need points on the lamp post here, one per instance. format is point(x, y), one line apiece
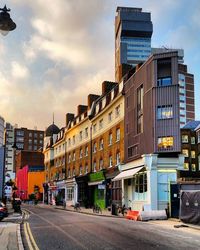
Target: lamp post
point(6, 23)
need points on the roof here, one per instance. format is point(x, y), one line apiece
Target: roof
point(192, 125)
point(52, 130)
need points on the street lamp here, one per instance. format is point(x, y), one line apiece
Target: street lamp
point(6, 23)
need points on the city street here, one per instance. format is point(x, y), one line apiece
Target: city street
point(49, 228)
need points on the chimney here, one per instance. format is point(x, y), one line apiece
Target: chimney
point(69, 118)
point(91, 99)
point(107, 86)
point(81, 109)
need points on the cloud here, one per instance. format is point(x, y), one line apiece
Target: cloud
point(19, 71)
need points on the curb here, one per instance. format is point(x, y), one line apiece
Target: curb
point(94, 214)
point(19, 238)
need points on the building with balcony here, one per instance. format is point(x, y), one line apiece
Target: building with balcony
point(152, 139)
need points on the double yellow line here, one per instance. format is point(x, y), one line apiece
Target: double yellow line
point(29, 237)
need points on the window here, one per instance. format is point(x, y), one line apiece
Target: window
point(74, 140)
point(192, 140)
point(198, 136)
point(81, 135)
point(69, 158)
point(101, 124)
point(69, 142)
point(29, 147)
point(110, 161)
point(110, 139)
point(86, 151)
point(86, 132)
point(140, 109)
point(30, 134)
point(86, 168)
point(186, 166)
point(118, 158)
point(41, 136)
point(19, 139)
point(193, 155)
point(41, 142)
point(81, 153)
point(20, 133)
point(74, 172)
point(69, 173)
point(110, 117)
point(193, 167)
point(165, 142)
point(185, 152)
point(94, 166)
point(101, 144)
point(164, 112)
point(94, 147)
point(35, 135)
point(94, 128)
point(35, 141)
point(140, 186)
point(117, 134)
point(70, 193)
point(20, 145)
point(164, 81)
point(74, 156)
point(184, 138)
point(117, 111)
point(80, 170)
point(100, 164)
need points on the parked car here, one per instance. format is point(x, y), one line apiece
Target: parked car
point(3, 210)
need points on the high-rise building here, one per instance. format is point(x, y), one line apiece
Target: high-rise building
point(1, 130)
point(133, 31)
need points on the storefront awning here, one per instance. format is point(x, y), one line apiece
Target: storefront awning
point(127, 173)
point(93, 183)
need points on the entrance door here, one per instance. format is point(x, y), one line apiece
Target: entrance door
point(175, 200)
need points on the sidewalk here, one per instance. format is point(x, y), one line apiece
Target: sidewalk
point(171, 222)
point(10, 236)
point(89, 211)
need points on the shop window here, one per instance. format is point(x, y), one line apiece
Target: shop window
point(70, 194)
point(101, 194)
point(140, 186)
point(184, 138)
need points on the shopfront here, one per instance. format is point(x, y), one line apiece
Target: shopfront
point(146, 182)
point(97, 189)
point(82, 192)
point(60, 194)
point(71, 192)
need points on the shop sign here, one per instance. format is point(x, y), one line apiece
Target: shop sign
point(101, 186)
point(98, 176)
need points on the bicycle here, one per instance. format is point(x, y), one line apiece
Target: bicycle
point(77, 206)
point(97, 209)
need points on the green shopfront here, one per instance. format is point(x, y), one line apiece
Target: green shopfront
point(97, 189)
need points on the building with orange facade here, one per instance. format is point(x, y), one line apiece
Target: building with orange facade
point(29, 181)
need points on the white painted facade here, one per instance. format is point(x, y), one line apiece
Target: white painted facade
point(159, 173)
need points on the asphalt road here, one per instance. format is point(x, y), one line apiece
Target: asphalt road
point(54, 229)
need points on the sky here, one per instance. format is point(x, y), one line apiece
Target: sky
point(63, 50)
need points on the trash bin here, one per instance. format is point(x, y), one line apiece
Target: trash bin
point(114, 209)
